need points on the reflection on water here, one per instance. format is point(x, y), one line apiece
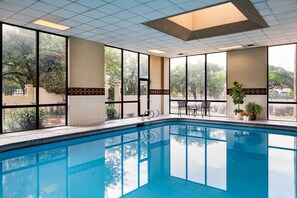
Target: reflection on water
point(165, 161)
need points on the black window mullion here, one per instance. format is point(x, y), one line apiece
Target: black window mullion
point(122, 83)
point(186, 85)
point(66, 88)
point(169, 86)
point(37, 80)
point(1, 59)
point(138, 82)
point(205, 81)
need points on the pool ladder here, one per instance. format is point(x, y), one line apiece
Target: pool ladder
point(149, 116)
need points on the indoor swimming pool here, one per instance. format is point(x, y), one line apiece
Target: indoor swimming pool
point(174, 159)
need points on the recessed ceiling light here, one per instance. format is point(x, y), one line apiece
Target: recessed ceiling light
point(156, 51)
point(230, 48)
point(50, 24)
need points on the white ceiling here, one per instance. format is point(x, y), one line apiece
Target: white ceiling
point(118, 22)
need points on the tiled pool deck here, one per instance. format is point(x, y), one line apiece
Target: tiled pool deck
point(10, 141)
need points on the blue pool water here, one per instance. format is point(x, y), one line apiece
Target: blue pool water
point(167, 160)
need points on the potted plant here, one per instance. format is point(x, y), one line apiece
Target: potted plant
point(254, 109)
point(237, 94)
point(246, 115)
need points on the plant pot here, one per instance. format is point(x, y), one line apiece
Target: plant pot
point(254, 117)
point(246, 118)
point(238, 116)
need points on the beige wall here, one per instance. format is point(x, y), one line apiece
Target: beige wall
point(86, 70)
point(86, 60)
point(159, 71)
point(156, 72)
point(248, 67)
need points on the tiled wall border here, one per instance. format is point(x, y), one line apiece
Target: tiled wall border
point(159, 91)
point(252, 91)
point(81, 91)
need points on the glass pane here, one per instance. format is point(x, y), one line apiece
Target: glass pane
point(52, 175)
point(216, 76)
point(145, 137)
point(178, 78)
point(282, 173)
point(52, 69)
point(282, 112)
point(218, 109)
point(113, 74)
point(216, 164)
point(143, 66)
point(196, 160)
point(282, 66)
point(19, 66)
point(18, 119)
point(143, 96)
point(19, 162)
point(130, 167)
point(130, 110)
point(283, 141)
point(20, 183)
point(178, 156)
point(196, 77)
point(52, 116)
point(130, 83)
point(174, 108)
point(112, 111)
point(113, 172)
point(194, 108)
point(143, 173)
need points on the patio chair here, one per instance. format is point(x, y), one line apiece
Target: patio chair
point(181, 105)
point(205, 107)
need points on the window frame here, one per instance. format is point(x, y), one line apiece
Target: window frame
point(37, 106)
point(122, 101)
point(267, 86)
point(205, 83)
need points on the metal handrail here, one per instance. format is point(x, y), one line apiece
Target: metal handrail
point(149, 112)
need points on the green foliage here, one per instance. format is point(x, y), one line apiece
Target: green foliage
point(236, 111)
point(196, 80)
point(238, 95)
point(19, 57)
point(111, 112)
point(253, 108)
point(216, 80)
point(112, 66)
point(280, 78)
point(178, 81)
point(19, 60)
point(52, 63)
point(25, 119)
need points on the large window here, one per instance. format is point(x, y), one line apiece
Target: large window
point(199, 78)
point(126, 82)
point(282, 98)
point(33, 79)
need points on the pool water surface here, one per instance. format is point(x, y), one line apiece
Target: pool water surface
point(165, 160)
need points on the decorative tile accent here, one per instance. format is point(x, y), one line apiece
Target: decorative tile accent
point(159, 91)
point(252, 91)
point(76, 91)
